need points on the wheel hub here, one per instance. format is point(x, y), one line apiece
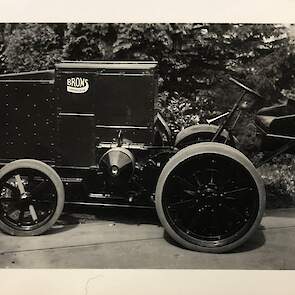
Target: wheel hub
point(209, 191)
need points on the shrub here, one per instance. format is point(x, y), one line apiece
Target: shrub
point(32, 47)
point(279, 179)
point(177, 110)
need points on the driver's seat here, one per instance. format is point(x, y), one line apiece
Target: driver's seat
point(277, 119)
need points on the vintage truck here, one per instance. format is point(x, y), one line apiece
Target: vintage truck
point(88, 133)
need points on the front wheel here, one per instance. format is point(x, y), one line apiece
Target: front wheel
point(31, 197)
point(210, 198)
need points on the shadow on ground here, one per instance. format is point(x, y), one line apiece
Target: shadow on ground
point(74, 214)
point(254, 242)
point(59, 228)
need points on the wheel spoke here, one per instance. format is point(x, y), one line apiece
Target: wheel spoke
point(20, 184)
point(219, 220)
point(33, 213)
point(10, 187)
point(196, 179)
point(198, 216)
point(43, 201)
point(183, 181)
point(222, 224)
point(189, 192)
point(237, 190)
point(21, 215)
point(193, 225)
point(181, 203)
point(43, 206)
point(9, 200)
point(211, 175)
point(233, 211)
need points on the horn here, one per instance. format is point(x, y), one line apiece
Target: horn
point(209, 121)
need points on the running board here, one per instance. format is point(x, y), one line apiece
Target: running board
point(110, 205)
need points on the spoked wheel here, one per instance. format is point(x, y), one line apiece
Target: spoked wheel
point(31, 197)
point(210, 198)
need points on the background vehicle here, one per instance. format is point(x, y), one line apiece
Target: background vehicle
point(87, 133)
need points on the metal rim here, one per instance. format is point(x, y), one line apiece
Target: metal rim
point(28, 199)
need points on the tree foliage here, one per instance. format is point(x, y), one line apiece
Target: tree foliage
point(32, 47)
point(195, 62)
point(89, 41)
point(194, 59)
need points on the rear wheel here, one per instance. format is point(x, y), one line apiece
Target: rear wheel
point(210, 198)
point(31, 197)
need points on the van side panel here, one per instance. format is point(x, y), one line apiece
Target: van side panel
point(27, 119)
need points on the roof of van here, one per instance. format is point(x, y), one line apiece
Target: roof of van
point(112, 65)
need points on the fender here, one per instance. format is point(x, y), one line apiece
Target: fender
point(196, 129)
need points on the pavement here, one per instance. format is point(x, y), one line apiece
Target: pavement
point(102, 241)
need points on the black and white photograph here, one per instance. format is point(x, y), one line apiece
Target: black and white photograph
point(147, 154)
point(147, 145)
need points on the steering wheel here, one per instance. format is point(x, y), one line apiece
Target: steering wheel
point(246, 88)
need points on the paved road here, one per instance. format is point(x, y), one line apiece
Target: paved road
point(105, 242)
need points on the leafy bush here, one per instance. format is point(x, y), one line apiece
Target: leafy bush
point(177, 110)
point(32, 47)
point(279, 179)
point(181, 112)
point(2, 59)
point(89, 41)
